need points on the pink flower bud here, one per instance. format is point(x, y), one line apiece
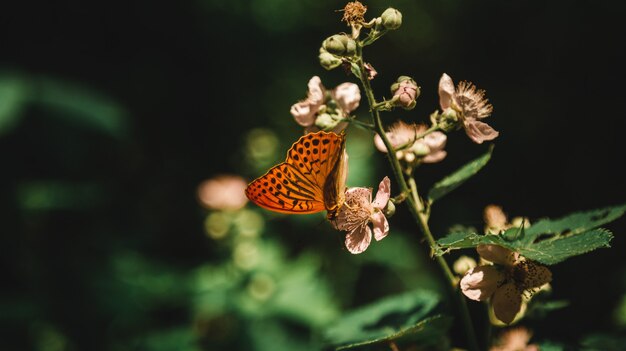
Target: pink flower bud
point(406, 91)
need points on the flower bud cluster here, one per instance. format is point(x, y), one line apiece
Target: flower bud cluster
point(340, 48)
point(340, 45)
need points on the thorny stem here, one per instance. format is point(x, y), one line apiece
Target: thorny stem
point(414, 202)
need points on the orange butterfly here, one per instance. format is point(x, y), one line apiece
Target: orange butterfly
point(311, 179)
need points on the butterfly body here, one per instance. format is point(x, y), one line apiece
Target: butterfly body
point(312, 178)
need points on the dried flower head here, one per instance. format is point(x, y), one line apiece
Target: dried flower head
point(353, 13)
point(224, 192)
point(358, 211)
point(428, 149)
point(506, 281)
point(472, 106)
point(515, 339)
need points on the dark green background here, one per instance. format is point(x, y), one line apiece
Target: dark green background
point(181, 82)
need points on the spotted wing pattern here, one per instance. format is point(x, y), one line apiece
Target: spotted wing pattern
point(307, 181)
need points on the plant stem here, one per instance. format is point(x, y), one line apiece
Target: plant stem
point(458, 296)
point(415, 204)
point(358, 123)
point(432, 129)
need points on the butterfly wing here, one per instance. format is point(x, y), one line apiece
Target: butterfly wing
point(300, 185)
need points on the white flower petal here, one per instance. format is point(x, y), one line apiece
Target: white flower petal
point(383, 194)
point(316, 91)
point(347, 96)
point(480, 282)
point(507, 302)
point(304, 113)
point(381, 226)
point(497, 254)
point(358, 196)
point(435, 157)
point(479, 131)
point(378, 142)
point(359, 239)
point(446, 91)
point(436, 141)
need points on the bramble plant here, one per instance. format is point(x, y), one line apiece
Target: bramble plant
point(514, 255)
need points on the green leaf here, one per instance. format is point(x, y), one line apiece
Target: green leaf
point(451, 182)
point(577, 222)
point(547, 241)
point(411, 315)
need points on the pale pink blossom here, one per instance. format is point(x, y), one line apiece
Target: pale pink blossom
point(428, 149)
point(435, 141)
point(358, 211)
point(224, 192)
point(304, 111)
point(347, 96)
point(504, 282)
point(471, 105)
point(316, 110)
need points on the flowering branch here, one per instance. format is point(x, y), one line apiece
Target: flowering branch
point(416, 206)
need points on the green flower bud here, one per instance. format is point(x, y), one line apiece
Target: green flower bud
point(390, 209)
point(340, 45)
point(448, 120)
point(420, 149)
point(329, 61)
point(463, 264)
point(392, 19)
point(350, 47)
point(326, 121)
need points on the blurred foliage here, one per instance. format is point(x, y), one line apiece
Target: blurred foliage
point(111, 114)
point(409, 316)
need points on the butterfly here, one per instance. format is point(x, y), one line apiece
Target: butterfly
point(312, 178)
